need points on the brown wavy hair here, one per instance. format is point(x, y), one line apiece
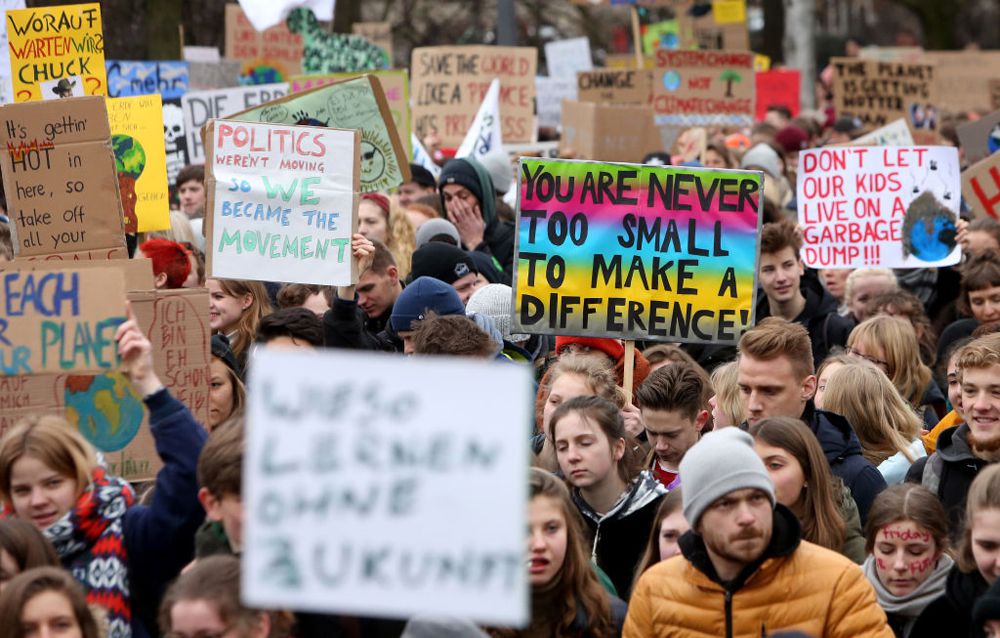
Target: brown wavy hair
point(26, 585)
point(608, 417)
point(246, 329)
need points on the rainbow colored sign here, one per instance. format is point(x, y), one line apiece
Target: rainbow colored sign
point(636, 252)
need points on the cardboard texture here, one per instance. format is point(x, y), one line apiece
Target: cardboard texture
point(56, 52)
point(137, 139)
point(357, 103)
point(964, 78)
point(378, 33)
point(449, 83)
point(631, 87)
point(608, 133)
point(265, 57)
point(60, 177)
point(223, 74)
point(283, 202)
point(702, 88)
point(980, 138)
point(879, 92)
point(994, 91)
point(137, 273)
point(981, 187)
point(627, 61)
point(201, 106)
point(108, 412)
point(707, 32)
point(777, 88)
point(87, 255)
point(169, 78)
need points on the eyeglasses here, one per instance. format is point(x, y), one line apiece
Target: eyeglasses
point(878, 362)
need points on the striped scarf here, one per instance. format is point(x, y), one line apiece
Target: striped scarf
point(90, 542)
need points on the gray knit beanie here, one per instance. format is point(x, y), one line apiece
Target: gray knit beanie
point(723, 461)
point(494, 300)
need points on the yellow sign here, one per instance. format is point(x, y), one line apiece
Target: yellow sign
point(56, 52)
point(730, 11)
point(761, 63)
point(140, 161)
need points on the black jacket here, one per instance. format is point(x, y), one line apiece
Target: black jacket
point(498, 241)
point(951, 614)
point(347, 326)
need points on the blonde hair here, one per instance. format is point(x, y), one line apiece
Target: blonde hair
point(862, 273)
point(984, 352)
point(898, 341)
point(180, 230)
point(727, 392)
point(882, 420)
point(401, 240)
point(600, 376)
point(52, 440)
point(984, 494)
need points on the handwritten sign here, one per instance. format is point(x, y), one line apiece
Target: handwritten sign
point(779, 87)
point(324, 515)
point(894, 207)
point(701, 88)
point(60, 177)
point(267, 57)
point(636, 251)
point(283, 202)
point(56, 52)
point(6, 85)
point(878, 92)
point(358, 103)
point(980, 138)
point(564, 58)
point(551, 92)
point(981, 187)
point(169, 78)
point(201, 106)
point(633, 87)
point(449, 84)
point(137, 140)
point(706, 31)
point(963, 78)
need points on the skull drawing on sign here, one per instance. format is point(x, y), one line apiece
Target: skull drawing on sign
point(173, 124)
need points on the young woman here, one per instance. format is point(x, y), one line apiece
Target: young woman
point(978, 298)
point(46, 602)
point(378, 220)
point(668, 527)
point(906, 538)
point(121, 552)
point(863, 285)
point(726, 403)
point(906, 305)
point(804, 484)
point(978, 563)
point(235, 308)
point(226, 392)
point(205, 601)
point(888, 427)
point(891, 344)
point(600, 462)
point(825, 370)
point(22, 547)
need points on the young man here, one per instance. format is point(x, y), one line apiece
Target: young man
point(671, 400)
point(775, 377)
point(422, 297)
point(469, 199)
point(746, 570)
point(453, 335)
point(191, 190)
point(291, 328)
point(791, 295)
point(450, 264)
point(220, 469)
point(421, 183)
point(965, 450)
point(361, 312)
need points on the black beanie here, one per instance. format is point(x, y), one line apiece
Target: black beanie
point(459, 171)
point(422, 176)
point(441, 261)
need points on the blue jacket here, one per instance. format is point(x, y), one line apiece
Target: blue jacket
point(159, 538)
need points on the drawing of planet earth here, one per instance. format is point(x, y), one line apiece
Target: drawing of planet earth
point(105, 408)
point(671, 80)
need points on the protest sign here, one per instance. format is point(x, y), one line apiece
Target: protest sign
point(619, 86)
point(707, 32)
point(144, 77)
point(358, 103)
point(282, 201)
point(636, 251)
point(174, 140)
point(729, 11)
point(551, 92)
point(779, 87)
point(427, 473)
point(484, 135)
point(325, 52)
point(56, 52)
point(890, 207)
point(963, 78)
point(994, 94)
point(137, 139)
point(264, 14)
point(981, 187)
point(660, 35)
point(879, 92)
point(449, 84)
point(60, 320)
point(201, 106)
point(980, 138)
point(213, 75)
point(891, 54)
point(703, 88)
point(266, 57)
point(6, 85)
point(895, 133)
point(60, 177)
point(605, 132)
point(565, 58)
point(203, 55)
point(378, 33)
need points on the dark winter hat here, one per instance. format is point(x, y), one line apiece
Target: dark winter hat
point(792, 139)
point(224, 352)
point(988, 606)
point(849, 125)
point(441, 261)
point(461, 172)
point(422, 176)
point(423, 295)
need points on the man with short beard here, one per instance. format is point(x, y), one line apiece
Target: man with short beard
point(745, 570)
point(964, 450)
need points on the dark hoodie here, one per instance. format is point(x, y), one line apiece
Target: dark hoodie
point(347, 326)
point(819, 317)
point(498, 235)
point(951, 614)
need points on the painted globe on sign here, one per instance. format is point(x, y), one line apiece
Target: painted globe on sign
point(671, 80)
point(130, 158)
point(105, 408)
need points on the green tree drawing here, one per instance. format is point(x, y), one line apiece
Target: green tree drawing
point(729, 76)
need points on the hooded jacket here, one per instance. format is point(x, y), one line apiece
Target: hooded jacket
point(819, 317)
point(793, 584)
point(951, 614)
point(619, 536)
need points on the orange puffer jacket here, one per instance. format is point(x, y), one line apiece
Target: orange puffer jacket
point(798, 586)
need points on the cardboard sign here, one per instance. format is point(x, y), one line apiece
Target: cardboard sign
point(890, 207)
point(963, 78)
point(994, 92)
point(56, 52)
point(777, 88)
point(350, 104)
point(201, 106)
point(607, 133)
point(707, 32)
point(378, 33)
point(566, 58)
point(660, 35)
point(879, 92)
point(266, 57)
point(60, 320)
point(635, 251)
point(980, 138)
point(449, 84)
point(174, 140)
point(551, 92)
point(137, 139)
point(6, 84)
point(632, 87)
point(462, 554)
point(895, 133)
point(729, 11)
point(60, 177)
point(891, 54)
point(702, 88)
point(143, 77)
point(981, 187)
point(326, 52)
point(223, 74)
point(283, 202)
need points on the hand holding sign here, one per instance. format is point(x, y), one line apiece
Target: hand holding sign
point(136, 353)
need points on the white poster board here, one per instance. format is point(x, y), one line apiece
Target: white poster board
point(550, 93)
point(372, 487)
point(895, 133)
point(888, 206)
point(283, 202)
point(201, 106)
point(564, 58)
